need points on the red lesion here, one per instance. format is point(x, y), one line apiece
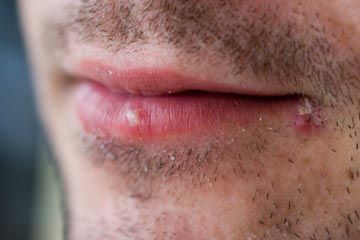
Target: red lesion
point(308, 116)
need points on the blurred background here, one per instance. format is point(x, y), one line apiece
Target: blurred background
point(23, 177)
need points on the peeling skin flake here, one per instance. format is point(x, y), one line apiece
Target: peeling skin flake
point(306, 107)
point(308, 115)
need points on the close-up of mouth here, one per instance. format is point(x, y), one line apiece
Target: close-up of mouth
point(198, 120)
point(152, 104)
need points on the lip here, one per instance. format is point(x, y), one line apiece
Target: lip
point(136, 104)
point(155, 82)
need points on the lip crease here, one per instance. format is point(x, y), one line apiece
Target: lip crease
point(140, 105)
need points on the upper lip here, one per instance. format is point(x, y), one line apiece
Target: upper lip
point(157, 82)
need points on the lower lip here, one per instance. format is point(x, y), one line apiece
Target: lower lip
point(140, 118)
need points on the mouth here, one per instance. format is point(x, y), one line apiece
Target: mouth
point(152, 105)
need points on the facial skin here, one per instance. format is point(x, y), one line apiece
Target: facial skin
point(280, 176)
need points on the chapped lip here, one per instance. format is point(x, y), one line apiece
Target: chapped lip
point(145, 104)
point(156, 82)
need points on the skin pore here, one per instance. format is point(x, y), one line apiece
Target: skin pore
point(282, 177)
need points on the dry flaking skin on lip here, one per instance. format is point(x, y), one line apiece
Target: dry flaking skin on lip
point(151, 118)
